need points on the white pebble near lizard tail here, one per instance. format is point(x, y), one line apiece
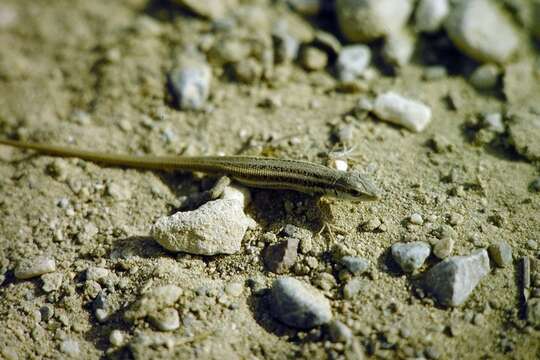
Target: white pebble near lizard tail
point(399, 110)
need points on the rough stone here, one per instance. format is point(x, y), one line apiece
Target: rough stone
point(298, 304)
point(216, 227)
point(481, 30)
point(166, 319)
point(443, 248)
point(353, 287)
point(399, 48)
point(366, 20)
point(30, 268)
point(453, 280)
point(410, 256)
point(279, 258)
point(501, 253)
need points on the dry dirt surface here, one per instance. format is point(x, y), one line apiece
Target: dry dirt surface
point(97, 75)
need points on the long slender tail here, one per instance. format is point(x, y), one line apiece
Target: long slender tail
point(141, 162)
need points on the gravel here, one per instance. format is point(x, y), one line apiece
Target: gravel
point(216, 227)
point(352, 61)
point(481, 30)
point(298, 304)
point(151, 302)
point(190, 84)
point(399, 110)
point(30, 268)
point(454, 279)
point(501, 253)
point(410, 256)
point(430, 15)
point(367, 20)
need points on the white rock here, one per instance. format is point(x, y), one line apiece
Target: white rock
point(481, 30)
point(416, 219)
point(485, 76)
point(70, 347)
point(430, 15)
point(216, 227)
point(190, 83)
point(338, 164)
point(116, 338)
point(366, 20)
point(352, 61)
point(399, 110)
point(30, 268)
point(237, 193)
point(96, 273)
point(166, 319)
point(399, 48)
point(494, 122)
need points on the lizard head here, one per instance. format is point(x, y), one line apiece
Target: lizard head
point(355, 186)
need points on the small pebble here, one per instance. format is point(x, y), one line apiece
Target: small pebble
point(47, 312)
point(70, 348)
point(410, 256)
point(352, 61)
point(313, 59)
point(190, 84)
point(455, 219)
point(286, 47)
point(96, 273)
point(435, 72)
point(494, 122)
point(325, 281)
point(430, 15)
point(416, 219)
point(367, 20)
point(481, 30)
point(532, 244)
point(166, 319)
point(453, 280)
point(399, 48)
point(116, 338)
point(443, 248)
point(338, 164)
point(298, 304)
point(248, 71)
point(338, 332)
point(485, 76)
point(396, 109)
point(279, 258)
point(355, 265)
point(30, 268)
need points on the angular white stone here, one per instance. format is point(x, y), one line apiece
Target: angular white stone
point(399, 110)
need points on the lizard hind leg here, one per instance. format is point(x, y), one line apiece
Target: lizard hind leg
point(327, 219)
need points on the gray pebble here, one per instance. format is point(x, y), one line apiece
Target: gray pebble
point(352, 62)
point(47, 312)
point(30, 268)
point(298, 304)
point(453, 280)
point(355, 265)
point(338, 332)
point(166, 319)
point(481, 30)
point(485, 76)
point(279, 258)
point(190, 84)
point(410, 256)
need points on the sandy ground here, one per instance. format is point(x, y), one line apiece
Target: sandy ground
point(93, 74)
